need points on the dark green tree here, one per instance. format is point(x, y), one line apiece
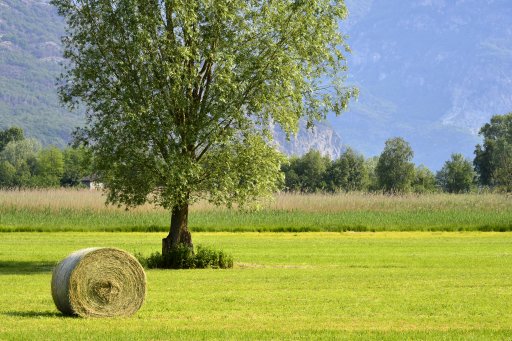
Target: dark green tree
point(22, 155)
point(77, 165)
point(502, 164)
point(180, 95)
point(394, 170)
point(49, 168)
point(424, 180)
point(7, 175)
point(486, 162)
point(10, 134)
point(292, 180)
point(307, 174)
point(347, 173)
point(373, 181)
point(457, 175)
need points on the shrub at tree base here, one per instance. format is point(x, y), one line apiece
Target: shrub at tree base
point(183, 257)
point(99, 282)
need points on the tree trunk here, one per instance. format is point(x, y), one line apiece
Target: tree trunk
point(179, 233)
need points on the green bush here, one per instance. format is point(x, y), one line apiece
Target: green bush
point(183, 257)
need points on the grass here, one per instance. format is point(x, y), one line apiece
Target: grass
point(72, 210)
point(357, 286)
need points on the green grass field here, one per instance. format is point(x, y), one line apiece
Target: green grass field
point(71, 210)
point(385, 286)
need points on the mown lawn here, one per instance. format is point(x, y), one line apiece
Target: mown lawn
point(386, 285)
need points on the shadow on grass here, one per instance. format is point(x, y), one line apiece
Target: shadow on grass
point(25, 267)
point(34, 314)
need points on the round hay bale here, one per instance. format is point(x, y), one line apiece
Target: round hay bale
point(99, 282)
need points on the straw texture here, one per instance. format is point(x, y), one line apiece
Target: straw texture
point(99, 282)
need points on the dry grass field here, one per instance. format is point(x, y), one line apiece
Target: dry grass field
point(83, 210)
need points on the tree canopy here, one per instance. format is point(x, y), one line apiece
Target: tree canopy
point(493, 158)
point(395, 170)
point(9, 135)
point(179, 95)
point(457, 175)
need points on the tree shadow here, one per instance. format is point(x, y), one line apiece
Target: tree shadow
point(25, 267)
point(34, 314)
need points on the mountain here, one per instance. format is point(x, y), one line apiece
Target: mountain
point(30, 56)
point(30, 52)
point(431, 71)
point(321, 137)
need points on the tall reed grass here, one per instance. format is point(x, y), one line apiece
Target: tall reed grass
point(70, 209)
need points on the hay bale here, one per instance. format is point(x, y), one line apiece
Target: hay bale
point(99, 282)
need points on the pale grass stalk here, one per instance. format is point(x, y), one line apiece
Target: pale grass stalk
point(73, 199)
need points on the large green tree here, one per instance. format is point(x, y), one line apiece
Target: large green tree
point(497, 135)
point(424, 180)
point(502, 163)
point(77, 165)
point(457, 175)
point(22, 157)
point(395, 170)
point(49, 168)
point(306, 174)
point(348, 172)
point(9, 135)
point(180, 94)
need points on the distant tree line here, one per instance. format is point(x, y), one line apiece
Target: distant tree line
point(394, 172)
point(24, 163)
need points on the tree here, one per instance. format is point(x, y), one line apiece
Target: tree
point(457, 175)
point(373, 181)
point(180, 95)
point(395, 171)
point(497, 131)
point(424, 180)
point(348, 172)
point(307, 173)
point(502, 163)
point(9, 135)
point(49, 168)
point(22, 156)
point(77, 165)
point(7, 174)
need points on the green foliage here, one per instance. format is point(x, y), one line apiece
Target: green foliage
point(180, 95)
point(10, 135)
point(495, 151)
point(77, 165)
point(394, 170)
point(502, 162)
point(373, 180)
point(7, 175)
point(183, 257)
point(307, 174)
point(457, 175)
point(49, 168)
point(24, 164)
point(22, 157)
point(424, 180)
point(347, 173)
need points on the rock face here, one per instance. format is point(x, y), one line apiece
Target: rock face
point(322, 138)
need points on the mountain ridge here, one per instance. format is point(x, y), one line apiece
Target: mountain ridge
point(431, 71)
